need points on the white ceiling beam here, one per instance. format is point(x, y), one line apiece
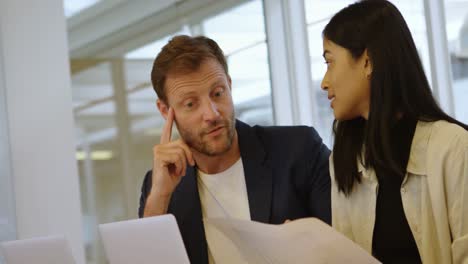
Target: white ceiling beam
point(105, 35)
point(108, 17)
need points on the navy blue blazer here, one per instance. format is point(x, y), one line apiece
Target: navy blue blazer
point(287, 177)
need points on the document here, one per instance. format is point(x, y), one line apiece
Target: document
point(306, 240)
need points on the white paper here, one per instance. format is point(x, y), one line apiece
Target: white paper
point(307, 240)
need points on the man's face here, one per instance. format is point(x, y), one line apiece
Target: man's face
point(203, 108)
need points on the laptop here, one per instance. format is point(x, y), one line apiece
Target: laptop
point(40, 250)
point(144, 241)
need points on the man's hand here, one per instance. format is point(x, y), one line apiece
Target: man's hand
point(170, 161)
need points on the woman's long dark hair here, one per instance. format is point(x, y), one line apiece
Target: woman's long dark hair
point(398, 86)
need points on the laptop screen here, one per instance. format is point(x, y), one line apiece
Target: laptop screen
point(41, 250)
point(144, 241)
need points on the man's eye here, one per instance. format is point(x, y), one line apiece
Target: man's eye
point(189, 105)
point(219, 92)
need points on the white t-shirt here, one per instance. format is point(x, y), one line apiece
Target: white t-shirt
point(223, 195)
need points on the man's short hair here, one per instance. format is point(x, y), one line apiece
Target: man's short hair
point(182, 55)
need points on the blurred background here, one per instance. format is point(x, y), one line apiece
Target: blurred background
point(274, 52)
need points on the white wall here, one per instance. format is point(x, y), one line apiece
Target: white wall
point(36, 82)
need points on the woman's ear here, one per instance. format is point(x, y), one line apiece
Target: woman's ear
point(367, 64)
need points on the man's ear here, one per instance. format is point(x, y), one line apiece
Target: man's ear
point(230, 82)
point(162, 107)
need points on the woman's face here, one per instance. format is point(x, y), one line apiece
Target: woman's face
point(347, 82)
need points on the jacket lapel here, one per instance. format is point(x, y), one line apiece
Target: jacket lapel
point(258, 173)
point(185, 205)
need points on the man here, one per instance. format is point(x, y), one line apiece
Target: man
point(221, 167)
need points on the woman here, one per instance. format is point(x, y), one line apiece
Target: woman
point(399, 166)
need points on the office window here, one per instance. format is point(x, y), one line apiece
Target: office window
point(73, 7)
point(456, 16)
point(7, 202)
point(240, 32)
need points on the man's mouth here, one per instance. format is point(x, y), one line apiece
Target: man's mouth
point(215, 130)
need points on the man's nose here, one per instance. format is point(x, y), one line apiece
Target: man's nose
point(210, 111)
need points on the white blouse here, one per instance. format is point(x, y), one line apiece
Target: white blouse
point(434, 194)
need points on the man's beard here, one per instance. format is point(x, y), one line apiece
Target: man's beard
point(197, 140)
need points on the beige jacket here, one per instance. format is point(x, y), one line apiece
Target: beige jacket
point(434, 194)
